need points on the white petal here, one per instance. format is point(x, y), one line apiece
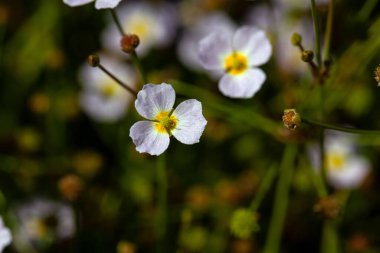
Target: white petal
point(147, 139)
point(5, 236)
point(74, 3)
point(213, 50)
point(191, 122)
point(153, 99)
point(102, 109)
point(103, 4)
point(254, 43)
point(351, 175)
point(244, 85)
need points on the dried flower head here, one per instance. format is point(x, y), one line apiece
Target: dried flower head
point(291, 119)
point(377, 75)
point(129, 43)
point(329, 207)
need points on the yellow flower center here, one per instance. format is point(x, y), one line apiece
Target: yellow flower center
point(335, 161)
point(109, 90)
point(236, 63)
point(165, 123)
point(139, 26)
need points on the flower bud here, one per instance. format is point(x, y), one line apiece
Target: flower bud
point(307, 56)
point(93, 60)
point(377, 75)
point(296, 39)
point(291, 119)
point(129, 43)
point(244, 223)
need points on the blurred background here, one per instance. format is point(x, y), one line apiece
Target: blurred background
point(72, 181)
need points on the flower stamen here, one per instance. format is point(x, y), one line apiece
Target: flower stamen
point(236, 63)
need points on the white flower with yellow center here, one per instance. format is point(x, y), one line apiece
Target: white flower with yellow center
point(346, 169)
point(217, 22)
point(99, 4)
point(5, 235)
point(102, 98)
point(155, 26)
point(236, 58)
point(155, 103)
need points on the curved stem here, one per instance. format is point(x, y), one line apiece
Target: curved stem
point(133, 92)
point(339, 128)
point(136, 61)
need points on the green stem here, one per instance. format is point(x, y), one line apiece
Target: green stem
point(272, 244)
point(264, 187)
point(117, 22)
point(136, 61)
point(329, 26)
point(161, 222)
point(330, 238)
point(339, 128)
point(316, 33)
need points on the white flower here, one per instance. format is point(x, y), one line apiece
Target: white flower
point(5, 236)
point(102, 98)
point(346, 169)
point(42, 219)
point(154, 24)
point(217, 22)
point(155, 103)
point(99, 4)
point(236, 58)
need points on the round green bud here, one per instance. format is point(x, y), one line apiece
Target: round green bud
point(244, 223)
point(296, 39)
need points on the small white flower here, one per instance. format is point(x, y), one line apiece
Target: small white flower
point(102, 98)
point(5, 235)
point(42, 219)
point(99, 4)
point(155, 25)
point(346, 169)
point(217, 22)
point(236, 58)
point(155, 103)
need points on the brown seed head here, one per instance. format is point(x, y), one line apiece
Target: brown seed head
point(70, 186)
point(129, 43)
point(377, 75)
point(291, 119)
point(329, 207)
point(93, 60)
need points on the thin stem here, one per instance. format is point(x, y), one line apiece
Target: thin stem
point(264, 187)
point(316, 33)
point(136, 61)
point(117, 22)
point(133, 92)
point(272, 244)
point(330, 239)
point(339, 128)
point(367, 9)
point(161, 222)
point(329, 27)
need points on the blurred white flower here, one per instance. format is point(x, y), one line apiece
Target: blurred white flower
point(155, 25)
point(102, 98)
point(42, 221)
point(99, 4)
point(346, 169)
point(236, 58)
point(5, 235)
point(187, 48)
point(155, 103)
